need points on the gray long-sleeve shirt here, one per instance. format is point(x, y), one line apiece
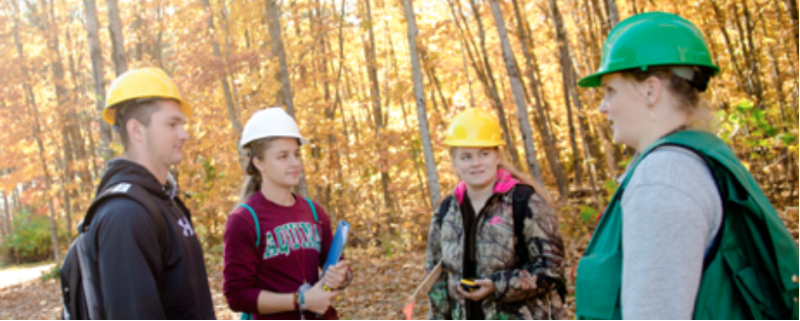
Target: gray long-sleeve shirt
point(671, 212)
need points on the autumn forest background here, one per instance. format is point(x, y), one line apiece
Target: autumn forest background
point(373, 85)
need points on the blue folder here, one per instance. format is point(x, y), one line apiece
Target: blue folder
point(337, 246)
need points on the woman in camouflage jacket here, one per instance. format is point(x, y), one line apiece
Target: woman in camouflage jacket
point(474, 238)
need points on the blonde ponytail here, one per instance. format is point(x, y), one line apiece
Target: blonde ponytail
point(251, 185)
point(526, 179)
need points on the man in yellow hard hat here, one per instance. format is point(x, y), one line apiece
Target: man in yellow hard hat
point(144, 258)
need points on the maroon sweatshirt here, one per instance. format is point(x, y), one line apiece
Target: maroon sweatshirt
point(292, 246)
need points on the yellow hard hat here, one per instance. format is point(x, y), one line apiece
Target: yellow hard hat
point(474, 128)
point(142, 83)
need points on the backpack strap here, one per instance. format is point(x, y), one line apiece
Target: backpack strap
point(255, 219)
point(444, 206)
point(522, 193)
point(521, 197)
point(245, 315)
point(131, 191)
point(313, 210)
point(249, 316)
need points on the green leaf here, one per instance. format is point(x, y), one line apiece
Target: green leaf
point(744, 104)
point(588, 214)
point(788, 139)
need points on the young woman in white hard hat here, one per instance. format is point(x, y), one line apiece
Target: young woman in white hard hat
point(276, 241)
point(496, 236)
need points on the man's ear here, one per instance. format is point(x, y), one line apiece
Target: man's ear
point(135, 130)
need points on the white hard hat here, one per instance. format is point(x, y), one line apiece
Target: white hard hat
point(270, 122)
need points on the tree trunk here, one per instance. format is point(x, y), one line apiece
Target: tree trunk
point(785, 51)
point(480, 63)
point(544, 130)
point(86, 125)
point(333, 159)
point(466, 73)
point(516, 88)
point(157, 47)
point(419, 97)
point(16, 200)
point(568, 76)
point(117, 39)
point(754, 63)
point(728, 45)
point(604, 23)
point(377, 113)
point(273, 17)
point(62, 100)
point(75, 136)
point(612, 13)
point(90, 8)
point(594, 43)
point(492, 85)
point(67, 177)
point(793, 12)
point(576, 158)
point(37, 134)
point(6, 223)
point(226, 89)
point(776, 72)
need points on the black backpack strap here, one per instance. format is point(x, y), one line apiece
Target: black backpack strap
point(183, 208)
point(521, 197)
point(134, 192)
point(522, 194)
point(444, 206)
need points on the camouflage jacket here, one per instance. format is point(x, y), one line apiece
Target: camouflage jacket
point(516, 296)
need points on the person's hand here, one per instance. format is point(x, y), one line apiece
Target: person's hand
point(336, 275)
point(486, 287)
point(317, 299)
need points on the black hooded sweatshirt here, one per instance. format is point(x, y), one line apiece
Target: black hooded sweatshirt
point(138, 279)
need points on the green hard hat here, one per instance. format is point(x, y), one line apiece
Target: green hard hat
point(652, 39)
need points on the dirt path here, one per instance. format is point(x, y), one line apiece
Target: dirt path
point(13, 276)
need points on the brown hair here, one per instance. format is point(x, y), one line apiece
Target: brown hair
point(140, 109)
point(685, 91)
point(516, 173)
point(252, 177)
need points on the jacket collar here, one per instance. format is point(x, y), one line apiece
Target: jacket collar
point(504, 183)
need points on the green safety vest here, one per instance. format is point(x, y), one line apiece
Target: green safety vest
point(750, 271)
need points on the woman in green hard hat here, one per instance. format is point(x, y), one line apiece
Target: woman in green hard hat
point(689, 233)
point(495, 236)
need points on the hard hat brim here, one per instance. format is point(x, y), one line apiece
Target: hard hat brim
point(472, 143)
point(596, 79)
point(108, 112)
point(303, 141)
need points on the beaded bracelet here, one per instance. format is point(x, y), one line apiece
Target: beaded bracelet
point(302, 297)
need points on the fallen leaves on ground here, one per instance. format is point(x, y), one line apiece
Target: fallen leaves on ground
point(32, 300)
point(379, 291)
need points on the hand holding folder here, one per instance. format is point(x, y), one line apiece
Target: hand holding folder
point(337, 246)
